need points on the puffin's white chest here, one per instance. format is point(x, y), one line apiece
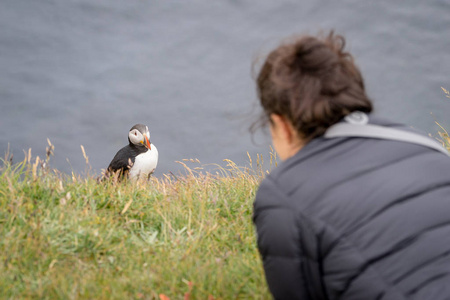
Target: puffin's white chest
point(145, 163)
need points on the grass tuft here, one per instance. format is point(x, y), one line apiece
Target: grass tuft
point(185, 236)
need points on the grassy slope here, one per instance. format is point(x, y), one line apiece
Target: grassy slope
point(65, 237)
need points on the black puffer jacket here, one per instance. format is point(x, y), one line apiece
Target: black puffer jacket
point(357, 218)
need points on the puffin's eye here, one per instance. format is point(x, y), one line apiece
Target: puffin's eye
point(135, 133)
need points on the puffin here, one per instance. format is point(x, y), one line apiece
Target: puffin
point(136, 160)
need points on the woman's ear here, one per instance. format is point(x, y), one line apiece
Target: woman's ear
point(283, 128)
point(284, 137)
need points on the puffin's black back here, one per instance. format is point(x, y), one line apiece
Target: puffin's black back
point(125, 157)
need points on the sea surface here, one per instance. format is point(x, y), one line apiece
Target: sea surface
point(83, 72)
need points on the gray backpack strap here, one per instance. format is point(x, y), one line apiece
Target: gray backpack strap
point(356, 126)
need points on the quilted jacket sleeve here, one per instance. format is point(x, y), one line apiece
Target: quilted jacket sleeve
point(278, 243)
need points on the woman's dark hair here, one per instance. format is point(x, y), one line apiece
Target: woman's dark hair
point(312, 82)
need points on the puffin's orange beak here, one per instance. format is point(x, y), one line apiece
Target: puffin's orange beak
point(147, 143)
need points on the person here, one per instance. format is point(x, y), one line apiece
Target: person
point(345, 216)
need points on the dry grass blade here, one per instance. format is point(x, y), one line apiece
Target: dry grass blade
point(86, 158)
point(446, 92)
point(124, 210)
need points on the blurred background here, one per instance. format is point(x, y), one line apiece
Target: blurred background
point(83, 72)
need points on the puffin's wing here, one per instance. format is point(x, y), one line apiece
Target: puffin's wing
point(122, 161)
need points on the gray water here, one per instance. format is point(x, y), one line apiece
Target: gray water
point(84, 72)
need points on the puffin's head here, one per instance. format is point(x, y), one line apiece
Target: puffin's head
point(139, 136)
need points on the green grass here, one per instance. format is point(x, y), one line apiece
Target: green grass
point(69, 237)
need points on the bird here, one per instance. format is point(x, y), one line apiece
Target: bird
point(136, 160)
